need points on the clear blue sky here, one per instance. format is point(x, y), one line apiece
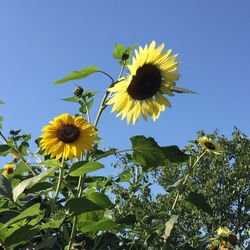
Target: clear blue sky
point(42, 41)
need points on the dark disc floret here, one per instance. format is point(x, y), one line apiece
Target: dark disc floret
point(145, 83)
point(10, 170)
point(209, 145)
point(68, 133)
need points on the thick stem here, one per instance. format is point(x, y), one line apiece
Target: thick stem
point(59, 182)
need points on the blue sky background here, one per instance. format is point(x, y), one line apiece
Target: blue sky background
point(42, 41)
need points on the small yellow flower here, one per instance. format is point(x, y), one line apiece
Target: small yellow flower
point(224, 231)
point(209, 145)
point(68, 136)
point(151, 76)
point(8, 169)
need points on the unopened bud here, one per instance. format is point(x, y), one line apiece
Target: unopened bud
point(78, 91)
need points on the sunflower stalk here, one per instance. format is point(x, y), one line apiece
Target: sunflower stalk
point(192, 170)
point(59, 182)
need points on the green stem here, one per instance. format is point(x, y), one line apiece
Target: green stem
point(80, 187)
point(184, 182)
point(59, 182)
point(122, 69)
point(87, 109)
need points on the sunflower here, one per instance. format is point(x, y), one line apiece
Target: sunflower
point(209, 145)
point(8, 169)
point(151, 75)
point(224, 231)
point(68, 136)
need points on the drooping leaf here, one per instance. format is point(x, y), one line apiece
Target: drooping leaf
point(81, 205)
point(81, 168)
point(4, 149)
point(146, 151)
point(169, 226)
point(28, 183)
point(174, 154)
point(5, 187)
point(75, 75)
point(182, 90)
point(99, 154)
point(199, 201)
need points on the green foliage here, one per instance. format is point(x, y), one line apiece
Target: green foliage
point(82, 167)
point(158, 197)
point(76, 75)
point(123, 54)
point(5, 187)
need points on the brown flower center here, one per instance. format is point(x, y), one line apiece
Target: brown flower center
point(209, 145)
point(145, 83)
point(10, 170)
point(68, 133)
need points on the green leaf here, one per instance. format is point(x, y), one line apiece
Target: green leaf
point(86, 106)
point(182, 90)
point(100, 199)
point(199, 201)
point(147, 152)
point(5, 187)
point(39, 187)
point(21, 167)
point(81, 168)
point(99, 154)
point(75, 75)
point(28, 183)
point(4, 149)
point(174, 154)
point(95, 226)
point(81, 205)
point(169, 226)
point(21, 235)
point(50, 163)
point(53, 224)
point(118, 51)
point(1, 102)
point(71, 99)
point(48, 243)
point(129, 219)
point(125, 176)
point(34, 210)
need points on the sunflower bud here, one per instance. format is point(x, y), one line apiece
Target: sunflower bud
point(125, 56)
point(78, 91)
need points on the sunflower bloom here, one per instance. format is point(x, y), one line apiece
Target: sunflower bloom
point(224, 231)
point(68, 136)
point(151, 75)
point(209, 145)
point(8, 169)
